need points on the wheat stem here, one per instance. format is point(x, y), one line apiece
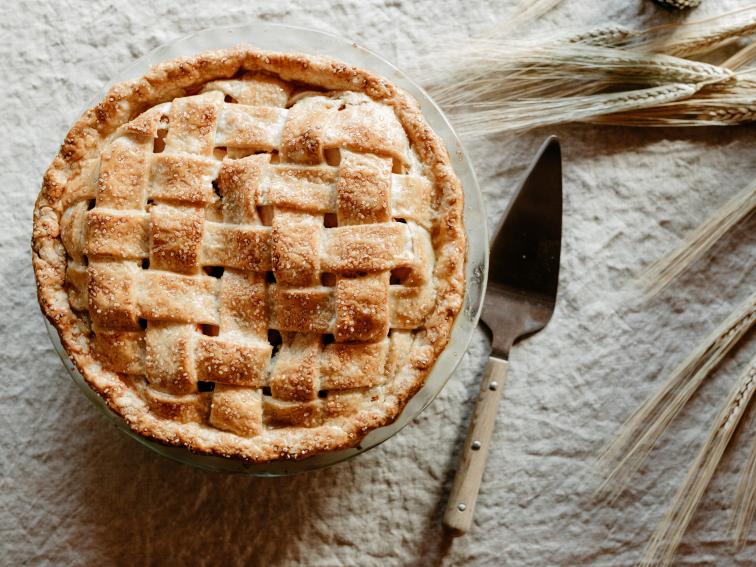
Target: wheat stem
point(745, 499)
point(497, 62)
point(728, 103)
point(666, 539)
point(643, 429)
point(742, 58)
point(482, 119)
point(505, 86)
point(499, 76)
point(692, 38)
point(667, 268)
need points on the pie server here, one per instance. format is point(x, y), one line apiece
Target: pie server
point(520, 298)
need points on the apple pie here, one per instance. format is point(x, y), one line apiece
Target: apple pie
point(251, 254)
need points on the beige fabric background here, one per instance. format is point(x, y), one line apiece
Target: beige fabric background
point(74, 491)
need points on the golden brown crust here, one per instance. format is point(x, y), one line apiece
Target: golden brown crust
point(343, 418)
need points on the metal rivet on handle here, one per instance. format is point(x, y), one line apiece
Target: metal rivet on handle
point(461, 507)
point(492, 386)
point(475, 445)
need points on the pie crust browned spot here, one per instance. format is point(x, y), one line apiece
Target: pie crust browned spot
point(251, 254)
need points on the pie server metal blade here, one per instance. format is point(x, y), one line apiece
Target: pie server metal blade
point(523, 268)
point(520, 298)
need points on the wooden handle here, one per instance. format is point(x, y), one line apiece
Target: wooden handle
point(464, 492)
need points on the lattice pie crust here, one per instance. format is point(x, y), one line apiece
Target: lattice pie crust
point(252, 254)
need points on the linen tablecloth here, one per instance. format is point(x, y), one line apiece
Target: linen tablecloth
point(76, 491)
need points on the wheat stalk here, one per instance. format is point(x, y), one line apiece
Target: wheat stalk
point(496, 70)
point(604, 36)
point(510, 86)
point(640, 433)
point(484, 119)
point(745, 498)
point(513, 86)
point(680, 4)
point(664, 270)
point(722, 104)
point(695, 38)
point(666, 539)
point(497, 77)
point(742, 58)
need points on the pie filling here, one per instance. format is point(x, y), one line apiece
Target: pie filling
point(255, 256)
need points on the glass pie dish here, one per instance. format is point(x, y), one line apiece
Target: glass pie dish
point(298, 40)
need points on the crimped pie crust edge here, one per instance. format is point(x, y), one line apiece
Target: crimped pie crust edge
point(172, 79)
